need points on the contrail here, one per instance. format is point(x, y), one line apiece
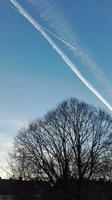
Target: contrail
point(12, 7)
point(59, 38)
point(56, 20)
point(60, 52)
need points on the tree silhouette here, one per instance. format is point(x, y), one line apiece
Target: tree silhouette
point(70, 142)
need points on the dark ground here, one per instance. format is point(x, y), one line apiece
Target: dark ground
point(38, 190)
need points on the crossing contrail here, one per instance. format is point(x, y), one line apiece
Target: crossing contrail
point(59, 38)
point(60, 52)
point(53, 16)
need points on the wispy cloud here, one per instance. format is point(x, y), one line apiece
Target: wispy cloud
point(59, 24)
point(73, 67)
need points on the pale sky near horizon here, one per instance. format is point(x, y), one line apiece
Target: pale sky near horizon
point(33, 78)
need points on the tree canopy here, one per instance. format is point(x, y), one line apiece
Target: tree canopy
point(73, 141)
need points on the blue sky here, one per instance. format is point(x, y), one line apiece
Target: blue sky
point(33, 78)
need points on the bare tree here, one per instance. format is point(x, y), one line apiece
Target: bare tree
point(70, 142)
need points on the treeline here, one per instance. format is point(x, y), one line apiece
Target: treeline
point(68, 146)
